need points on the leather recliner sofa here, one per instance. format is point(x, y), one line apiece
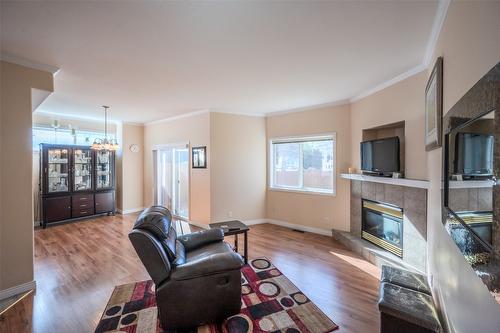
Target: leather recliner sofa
point(197, 276)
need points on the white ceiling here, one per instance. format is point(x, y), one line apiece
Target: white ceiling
point(152, 60)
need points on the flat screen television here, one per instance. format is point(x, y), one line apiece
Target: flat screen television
point(380, 156)
point(474, 155)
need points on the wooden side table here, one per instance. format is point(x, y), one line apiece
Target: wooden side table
point(235, 228)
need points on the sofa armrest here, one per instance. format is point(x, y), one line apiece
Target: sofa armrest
point(209, 265)
point(197, 239)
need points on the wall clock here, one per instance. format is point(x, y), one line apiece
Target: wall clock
point(134, 148)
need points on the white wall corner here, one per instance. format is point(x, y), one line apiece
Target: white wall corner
point(16, 290)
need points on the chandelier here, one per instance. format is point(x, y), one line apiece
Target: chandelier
point(104, 143)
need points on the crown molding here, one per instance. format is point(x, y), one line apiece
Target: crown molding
point(197, 113)
point(441, 12)
point(308, 108)
point(132, 123)
point(181, 116)
point(28, 63)
point(388, 83)
point(431, 45)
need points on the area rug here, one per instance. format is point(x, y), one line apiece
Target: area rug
point(270, 303)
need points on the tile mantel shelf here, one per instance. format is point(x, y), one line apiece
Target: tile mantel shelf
point(386, 180)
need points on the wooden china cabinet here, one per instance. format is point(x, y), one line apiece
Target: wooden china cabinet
point(75, 182)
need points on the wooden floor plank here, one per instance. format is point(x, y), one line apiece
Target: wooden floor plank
point(77, 266)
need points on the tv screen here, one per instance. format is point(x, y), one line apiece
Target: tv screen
point(474, 154)
point(380, 156)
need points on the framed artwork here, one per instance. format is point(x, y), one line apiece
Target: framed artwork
point(434, 107)
point(199, 157)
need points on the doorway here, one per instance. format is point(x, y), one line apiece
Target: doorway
point(171, 178)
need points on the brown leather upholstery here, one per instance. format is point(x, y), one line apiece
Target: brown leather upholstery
point(197, 276)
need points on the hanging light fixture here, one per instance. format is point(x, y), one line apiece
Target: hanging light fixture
point(104, 143)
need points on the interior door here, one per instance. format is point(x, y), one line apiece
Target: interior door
point(181, 182)
point(172, 179)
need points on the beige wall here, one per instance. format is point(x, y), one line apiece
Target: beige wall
point(16, 214)
point(401, 102)
point(196, 131)
point(238, 168)
point(314, 210)
point(132, 168)
point(469, 44)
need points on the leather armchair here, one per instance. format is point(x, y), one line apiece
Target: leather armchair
point(197, 276)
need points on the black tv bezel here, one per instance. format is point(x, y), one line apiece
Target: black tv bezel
point(382, 172)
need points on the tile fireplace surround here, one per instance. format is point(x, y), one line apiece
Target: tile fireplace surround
point(412, 198)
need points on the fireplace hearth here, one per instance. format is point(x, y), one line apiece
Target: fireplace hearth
point(382, 225)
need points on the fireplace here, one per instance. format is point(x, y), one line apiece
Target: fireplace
point(382, 225)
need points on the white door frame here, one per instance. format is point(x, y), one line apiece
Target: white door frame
point(155, 150)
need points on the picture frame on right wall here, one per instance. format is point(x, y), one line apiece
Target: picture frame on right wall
point(434, 107)
point(199, 157)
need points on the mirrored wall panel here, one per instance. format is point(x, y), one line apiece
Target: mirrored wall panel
point(472, 192)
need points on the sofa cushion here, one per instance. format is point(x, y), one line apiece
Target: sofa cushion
point(219, 247)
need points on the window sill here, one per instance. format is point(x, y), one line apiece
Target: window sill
point(290, 190)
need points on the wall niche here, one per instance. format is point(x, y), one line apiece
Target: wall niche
point(389, 131)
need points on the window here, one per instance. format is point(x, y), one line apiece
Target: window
point(305, 164)
point(64, 136)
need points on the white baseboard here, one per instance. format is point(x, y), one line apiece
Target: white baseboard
point(16, 290)
point(319, 231)
point(256, 221)
point(129, 211)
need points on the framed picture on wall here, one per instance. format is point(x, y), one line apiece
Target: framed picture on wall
point(434, 107)
point(199, 157)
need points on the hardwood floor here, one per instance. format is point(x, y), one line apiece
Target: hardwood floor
point(77, 266)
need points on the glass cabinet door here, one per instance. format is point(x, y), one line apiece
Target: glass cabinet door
point(82, 171)
point(58, 170)
point(104, 169)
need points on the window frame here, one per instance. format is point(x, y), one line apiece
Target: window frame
point(48, 129)
point(305, 138)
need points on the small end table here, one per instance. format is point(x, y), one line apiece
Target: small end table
point(234, 228)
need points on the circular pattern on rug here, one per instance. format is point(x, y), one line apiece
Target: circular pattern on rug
point(129, 319)
point(274, 272)
point(292, 330)
point(266, 324)
point(246, 289)
point(269, 289)
point(239, 324)
point(300, 298)
point(287, 302)
point(113, 310)
point(261, 263)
